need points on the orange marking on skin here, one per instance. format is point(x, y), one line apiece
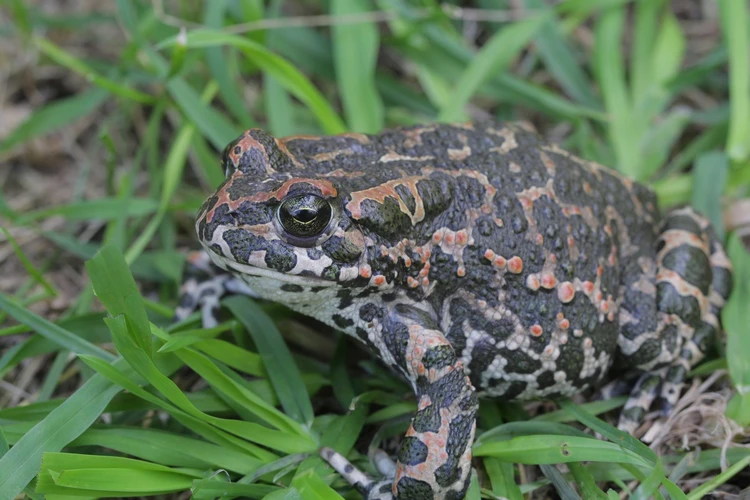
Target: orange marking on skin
point(564, 324)
point(365, 271)
point(424, 402)
point(394, 156)
point(459, 154)
point(500, 262)
point(425, 281)
point(549, 281)
point(246, 143)
point(339, 172)
point(282, 146)
point(539, 239)
point(449, 238)
point(588, 287)
point(611, 316)
point(407, 261)
point(548, 163)
point(515, 265)
point(379, 280)
point(489, 254)
point(552, 258)
point(532, 282)
point(461, 272)
point(388, 190)
point(411, 282)
point(360, 138)
point(462, 237)
point(536, 330)
point(566, 292)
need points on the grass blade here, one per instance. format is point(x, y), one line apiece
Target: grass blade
point(99, 209)
point(212, 124)
point(102, 476)
point(735, 17)
point(51, 331)
point(502, 478)
point(34, 273)
point(282, 370)
point(553, 449)
point(610, 72)
point(169, 449)
point(494, 57)
point(117, 290)
point(312, 487)
point(645, 27)
point(54, 116)
point(66, 59)
point(355, 51)
point(710, 175)
point(560, 60)
point(668, 51)
point(736, 318)
point(286, 74)
point(216, 60)
point(61, 426)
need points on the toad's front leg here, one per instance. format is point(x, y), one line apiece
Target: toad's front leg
point(434, 461)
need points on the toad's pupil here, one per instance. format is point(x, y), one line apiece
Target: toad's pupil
point(305, 215)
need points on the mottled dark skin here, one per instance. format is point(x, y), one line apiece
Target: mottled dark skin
point(469, 256)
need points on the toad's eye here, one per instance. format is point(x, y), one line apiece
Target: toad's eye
point(305, 216)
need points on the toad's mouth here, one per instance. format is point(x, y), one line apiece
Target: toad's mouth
point(266, 274)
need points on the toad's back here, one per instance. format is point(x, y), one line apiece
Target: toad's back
point(528, 245)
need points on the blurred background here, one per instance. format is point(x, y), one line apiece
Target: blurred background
point(113, 115)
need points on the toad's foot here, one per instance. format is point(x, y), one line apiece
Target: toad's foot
point(203, 287)
point(370, 488)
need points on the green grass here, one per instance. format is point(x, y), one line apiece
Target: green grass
point(253, 427)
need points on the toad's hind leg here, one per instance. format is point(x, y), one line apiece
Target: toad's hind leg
point(692, 281)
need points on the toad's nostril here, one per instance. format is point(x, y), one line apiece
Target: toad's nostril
point(234, 215)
